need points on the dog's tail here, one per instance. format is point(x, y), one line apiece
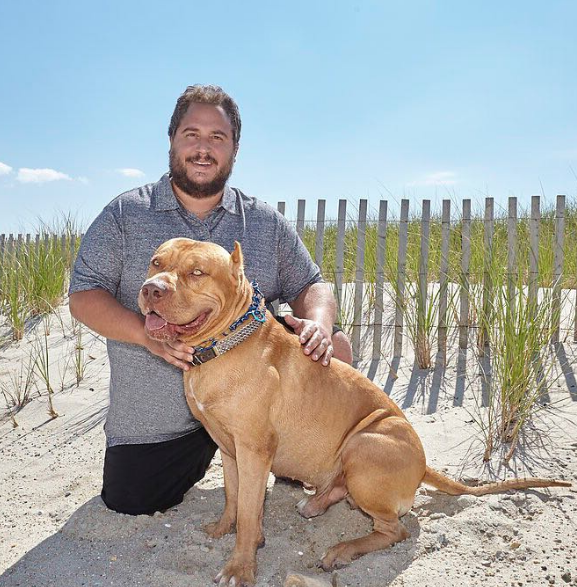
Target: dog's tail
point(451, 487)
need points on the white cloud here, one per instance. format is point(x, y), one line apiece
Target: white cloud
point(5, 169)
point(26, 175)
point(129, 172)
point(83, 180)
point(437, 178)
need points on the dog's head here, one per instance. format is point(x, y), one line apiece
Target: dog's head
point(193, 290)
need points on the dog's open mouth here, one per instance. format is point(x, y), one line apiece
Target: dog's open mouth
point(159, 328)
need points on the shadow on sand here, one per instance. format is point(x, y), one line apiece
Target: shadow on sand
point(97, 547)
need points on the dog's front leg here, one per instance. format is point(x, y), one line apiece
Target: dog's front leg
point(228, 519)
point(253, 470)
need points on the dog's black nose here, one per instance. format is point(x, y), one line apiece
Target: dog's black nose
point(153, 291)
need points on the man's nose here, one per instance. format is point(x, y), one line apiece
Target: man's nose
point(203, 146)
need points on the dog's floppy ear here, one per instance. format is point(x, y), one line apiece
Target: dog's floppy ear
point(236, 261)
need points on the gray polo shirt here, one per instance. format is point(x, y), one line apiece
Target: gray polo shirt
point(147, 402)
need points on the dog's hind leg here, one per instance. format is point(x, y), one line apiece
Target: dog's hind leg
point(387, 531)
point(228, 519)
point(383, 466)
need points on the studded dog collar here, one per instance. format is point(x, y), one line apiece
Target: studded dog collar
point(237, 332)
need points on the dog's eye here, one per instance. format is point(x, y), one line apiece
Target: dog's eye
point(197, 272)
point(155, 262)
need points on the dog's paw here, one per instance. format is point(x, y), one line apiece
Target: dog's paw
point(237, 574)
point(219, 529)
point(336, 557)
point(302, 507)
point(261, 541)
point(309, 507)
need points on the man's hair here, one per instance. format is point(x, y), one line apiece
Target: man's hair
point(199, 94)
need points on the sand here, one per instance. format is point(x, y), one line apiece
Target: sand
point(55, 530)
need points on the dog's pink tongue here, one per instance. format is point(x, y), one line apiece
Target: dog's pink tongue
point(154, 321)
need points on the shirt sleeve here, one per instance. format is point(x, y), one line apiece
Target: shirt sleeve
point(297, 270)
point(98, 264)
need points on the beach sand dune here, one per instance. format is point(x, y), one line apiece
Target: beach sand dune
point(55, 530)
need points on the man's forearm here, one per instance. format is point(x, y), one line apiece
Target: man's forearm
point(316, 303)
point(101, 312)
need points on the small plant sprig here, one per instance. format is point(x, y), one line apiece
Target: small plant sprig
point(79, 355)
point(10, 408)
point(21, 383)
point(42, 364)
point(18, 389)
point(63, 368)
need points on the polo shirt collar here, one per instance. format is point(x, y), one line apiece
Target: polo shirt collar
point(164, 198)
point(228, 201)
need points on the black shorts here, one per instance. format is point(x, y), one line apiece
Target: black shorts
point(147, 478)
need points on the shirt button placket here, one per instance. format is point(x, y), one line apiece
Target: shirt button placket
point(205, 231)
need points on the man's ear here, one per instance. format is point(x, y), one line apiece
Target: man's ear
point(236, 261)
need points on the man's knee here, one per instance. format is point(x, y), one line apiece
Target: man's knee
point(143, 479)
point(342, 347)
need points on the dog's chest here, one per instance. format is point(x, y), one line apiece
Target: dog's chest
point(207, 393)
point(208, 402)
point(193, 401)
point(197, 395)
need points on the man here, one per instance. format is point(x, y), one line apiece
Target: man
point(155, 449)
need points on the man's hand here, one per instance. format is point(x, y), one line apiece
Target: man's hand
point(174, 352)
point(315, 338)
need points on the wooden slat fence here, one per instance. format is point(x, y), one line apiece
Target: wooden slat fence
point(444, 276)
point(465, 275)
point(372, 291)
point(13, 246)
point(456, 307)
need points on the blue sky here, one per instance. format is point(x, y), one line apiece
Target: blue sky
point(351, 99)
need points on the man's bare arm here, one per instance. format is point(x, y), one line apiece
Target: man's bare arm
point(104, 314)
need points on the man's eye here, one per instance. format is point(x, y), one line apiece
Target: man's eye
point(217, 137)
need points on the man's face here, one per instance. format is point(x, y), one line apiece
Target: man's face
point(202, 151)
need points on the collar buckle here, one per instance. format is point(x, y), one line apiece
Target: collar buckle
point(201, 357)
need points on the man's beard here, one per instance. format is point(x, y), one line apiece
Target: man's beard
point(192, 188)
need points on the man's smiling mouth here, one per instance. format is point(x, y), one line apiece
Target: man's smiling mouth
point(206, 162)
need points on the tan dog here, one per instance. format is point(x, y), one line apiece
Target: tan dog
point(270, 408)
